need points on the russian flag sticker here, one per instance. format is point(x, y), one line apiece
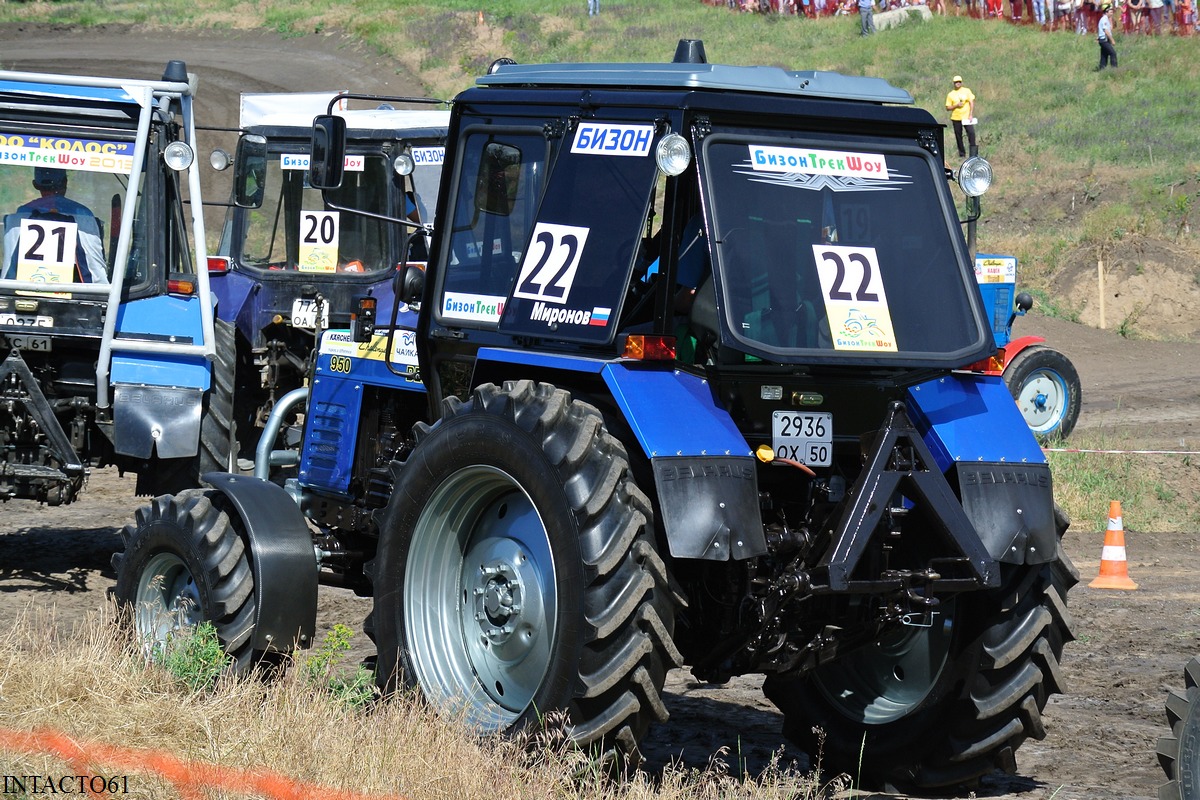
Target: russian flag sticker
point(600, 316)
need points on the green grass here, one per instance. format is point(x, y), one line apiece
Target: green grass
point(1083, 160)
point(1153, 496)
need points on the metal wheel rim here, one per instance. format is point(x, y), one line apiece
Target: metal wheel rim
point(480, 598)
point(167, 599)
point(889, 679)
point(1043, 400)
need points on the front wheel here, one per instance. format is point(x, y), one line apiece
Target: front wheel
point(185, 563)
point(939, 706)
point(515, 574)
point(1046, 387)
point(1179, 753)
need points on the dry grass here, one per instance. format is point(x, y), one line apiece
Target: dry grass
point(93, 685)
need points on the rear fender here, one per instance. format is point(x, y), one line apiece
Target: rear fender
point(282, 557)
point(704, 474)
point(974, 429)
point(1013, 348)
point(705, 478)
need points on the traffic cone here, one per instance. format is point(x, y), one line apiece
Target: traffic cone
point(1113, 571)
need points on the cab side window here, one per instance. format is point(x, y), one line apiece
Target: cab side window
point(498, 188)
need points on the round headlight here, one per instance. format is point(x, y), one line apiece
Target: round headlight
point(178, 155)
point(219, 160)
point(403, 164)
point(673, 154)
point(975, 176)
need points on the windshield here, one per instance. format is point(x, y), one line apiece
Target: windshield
point(293, 230)
point(837, 252)
point(62, 200)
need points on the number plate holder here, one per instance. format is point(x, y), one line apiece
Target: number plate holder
point(804, 436)
point(304, 314)
point(27, 320)
point(32, 344)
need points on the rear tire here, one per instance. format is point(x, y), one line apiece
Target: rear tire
point(516, 575)
point(185, 563)
point(218, 436)
point(217, 448)
point(1046, 387)
point(1179, 753)
point(940, 707)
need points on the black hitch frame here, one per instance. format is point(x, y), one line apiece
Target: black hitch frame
point(17, 384)
point(900, 460)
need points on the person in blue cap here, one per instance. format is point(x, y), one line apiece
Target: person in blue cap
point(53, 204)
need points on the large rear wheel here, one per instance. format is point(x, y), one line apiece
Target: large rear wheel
point(516, 575)
point(943, 705)
point(1179, 753)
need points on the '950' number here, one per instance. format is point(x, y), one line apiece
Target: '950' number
point(340, 364)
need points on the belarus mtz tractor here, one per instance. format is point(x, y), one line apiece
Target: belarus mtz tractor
point(108, 349)
point(288, 259)
point(683, 385)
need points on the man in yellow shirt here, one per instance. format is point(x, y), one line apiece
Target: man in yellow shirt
point(960, 102)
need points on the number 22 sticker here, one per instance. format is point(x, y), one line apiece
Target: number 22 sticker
point(548, 270)
point(855, 301)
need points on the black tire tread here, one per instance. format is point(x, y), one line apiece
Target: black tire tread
point(629, 601)
point(196, 522)
point(1180, 707)
point(217, 433)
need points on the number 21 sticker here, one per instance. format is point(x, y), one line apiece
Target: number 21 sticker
point(548, 269)
point(855, 301)
point(46, 252)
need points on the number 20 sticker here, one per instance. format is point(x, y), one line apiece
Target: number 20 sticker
point(855, 301)
point(548, 269)
point(319, 234)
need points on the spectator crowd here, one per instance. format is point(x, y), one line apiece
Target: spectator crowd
point(1154, 17)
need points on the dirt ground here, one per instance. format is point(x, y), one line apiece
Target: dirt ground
point(1131, 646)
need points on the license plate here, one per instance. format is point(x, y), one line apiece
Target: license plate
point(27, 320)
point(34, 344)
point(804, 436)
point(304, 314)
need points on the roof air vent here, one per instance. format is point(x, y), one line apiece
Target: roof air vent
point(690, 51)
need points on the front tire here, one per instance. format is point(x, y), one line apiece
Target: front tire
point(941, 706)
point(1179, 753)
point(516, 576)
point(1046, 387)
point(185, 563)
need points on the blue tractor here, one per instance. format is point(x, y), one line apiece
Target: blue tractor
point(109, 351)
point(290, 262)
point(1042, 380)
point(683, 385)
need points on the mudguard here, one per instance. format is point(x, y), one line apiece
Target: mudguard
point(281, 556)
point(973, 428)
point(704, 473)
point(166, 418)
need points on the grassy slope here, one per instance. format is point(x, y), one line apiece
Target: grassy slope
point(1123, 143)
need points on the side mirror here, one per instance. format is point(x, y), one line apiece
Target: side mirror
point(250, 171)
point(328, 152)
point(413, 284)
